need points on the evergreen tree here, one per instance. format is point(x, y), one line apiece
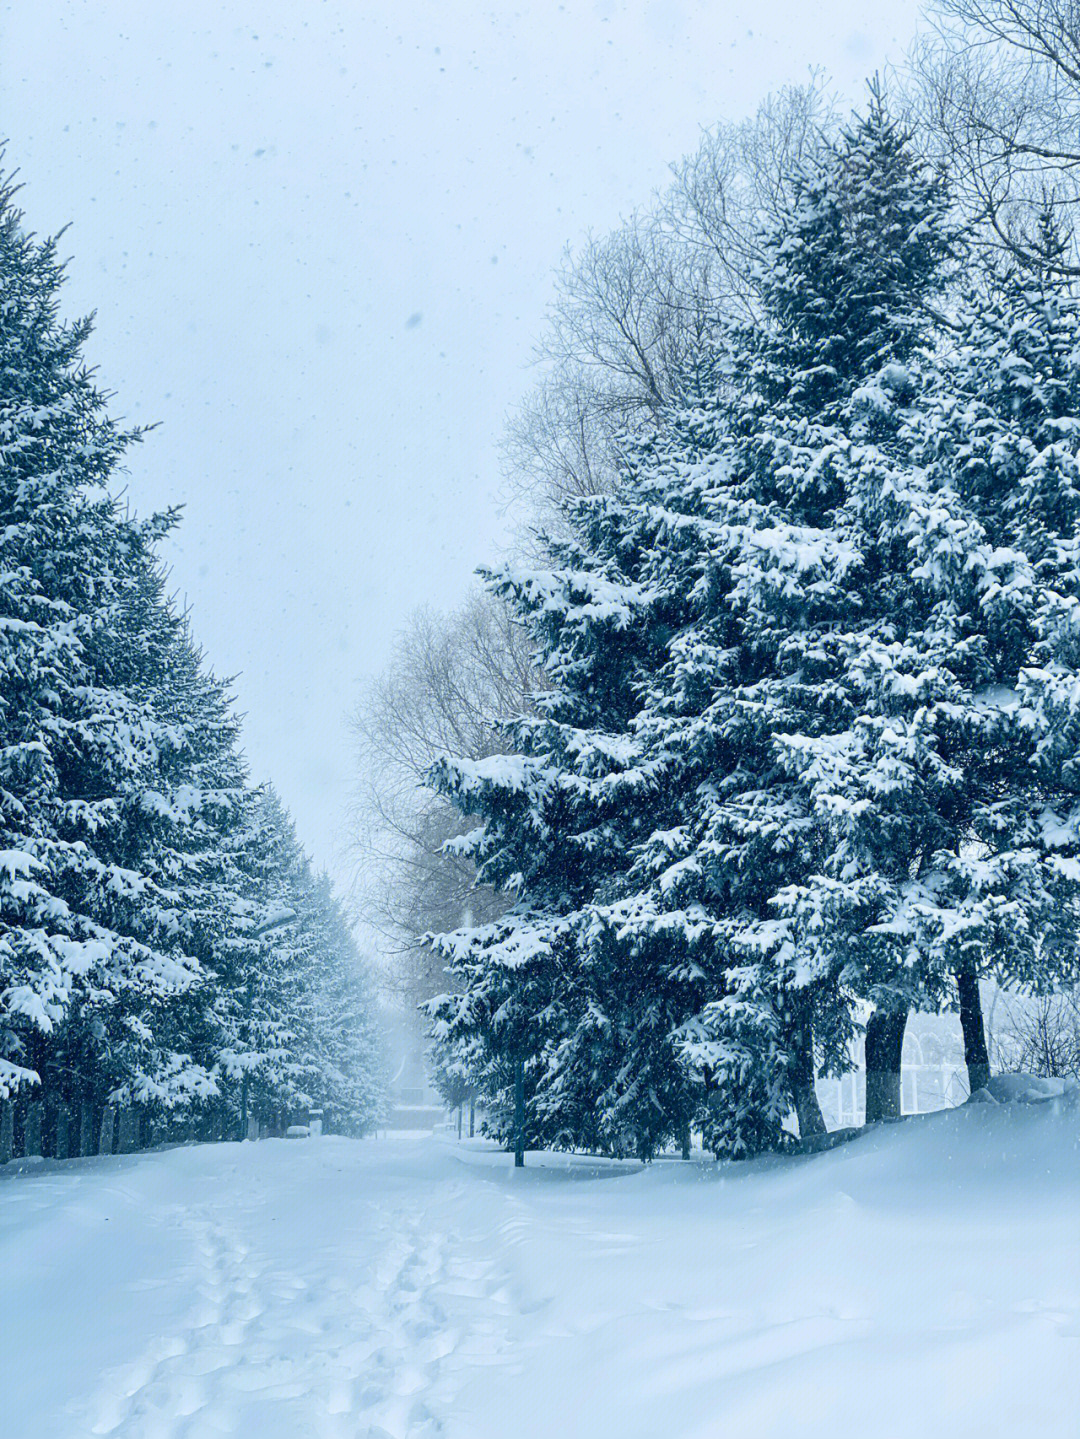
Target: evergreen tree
point(767, 772)
point(1003, 432)
point(163, 944)
point(79, 933)
point(350, 1084)
point(569, 981)
point(191, 835)
point(544, 992)
point(928, 631)
point(808, 577)
point(297, 1011)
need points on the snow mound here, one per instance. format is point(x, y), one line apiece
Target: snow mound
point(1027, 1089)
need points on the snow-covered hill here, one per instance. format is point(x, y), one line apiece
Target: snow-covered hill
point(924, 1280)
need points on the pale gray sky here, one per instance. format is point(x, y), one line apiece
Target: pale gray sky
point(319, 236)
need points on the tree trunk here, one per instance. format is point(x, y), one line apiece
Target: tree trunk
point(245, 1127)
point(519, 1114)
point(125, 1130)
point(86, 1128)
point(971, 1022)
point(808, 1110)
point(684, 1139)
point(62, 1131)
point(804, 1092)
point(7, 1130)
point(48, 1127)
point(472, 1115)
point(32, 1132)
point(884, 1048)
point(108, 1121)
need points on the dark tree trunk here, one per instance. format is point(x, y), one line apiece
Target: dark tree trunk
point(32, 1133)
point(684, 1139)
point(519, 1114)
point(125, 1130)
point(971, 1022)
point(7, 1130)
point(804, 1093)
point(811, 1119)
point(86, 1127)
point(472, 1115)
point(884, 1048)
point(108, 1125)
point(61, 1131)
point(48, 1124)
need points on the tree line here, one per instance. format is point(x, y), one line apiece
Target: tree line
point(170, 964)
point(782, 744)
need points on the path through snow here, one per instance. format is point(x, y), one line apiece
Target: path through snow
point(926, 1280)
point(281, 1289)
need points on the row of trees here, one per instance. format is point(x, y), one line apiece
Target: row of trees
point(165, 948)
point(791, 749)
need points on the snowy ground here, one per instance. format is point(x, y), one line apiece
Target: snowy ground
point(922, 1281)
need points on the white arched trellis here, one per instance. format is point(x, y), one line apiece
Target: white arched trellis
point(933, 1076)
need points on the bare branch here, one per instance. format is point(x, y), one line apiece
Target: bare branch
point(996, 84)
point(453, 680)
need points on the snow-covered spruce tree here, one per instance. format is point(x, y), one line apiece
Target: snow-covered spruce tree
point(759, 669)
point(78, 926)
point(162, 939)
point(555, 983)
point(1005, 432)
point(164, 827)
point(810, 576)
point(264, 1063)
point(190, 829)
point(294, 1006)
point(350, 1083)
point(940, 499)
point(749, 820)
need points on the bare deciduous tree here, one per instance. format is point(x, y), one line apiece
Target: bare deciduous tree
point(452, 679)
point(1037, 1034)
point(633, 307)
point(996, 84)
point(737, 182)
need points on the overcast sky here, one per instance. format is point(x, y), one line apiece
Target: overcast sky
point(319, 235)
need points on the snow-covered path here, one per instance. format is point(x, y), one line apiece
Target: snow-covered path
point(923, 1280)
point(280, 1289)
